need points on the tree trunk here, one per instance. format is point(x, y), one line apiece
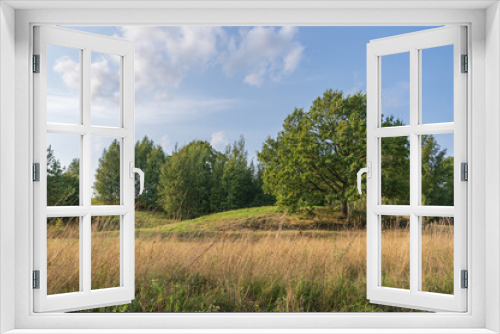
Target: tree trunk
point(343, 208)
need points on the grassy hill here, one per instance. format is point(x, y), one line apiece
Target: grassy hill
point(260, 220)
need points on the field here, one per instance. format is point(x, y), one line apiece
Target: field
point(251, 260)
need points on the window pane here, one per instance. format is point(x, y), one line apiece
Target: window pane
point(437, 254)
point(395, 167)
point(105, 252)
point(63, 84)
point(63, 169)
point(105, 89)
point(395, 257)
point(437, 169)
point(106, 155)
point(63, 255)
point(395, 90)
point(437, 84)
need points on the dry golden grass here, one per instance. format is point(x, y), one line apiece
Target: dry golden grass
point(252, 271)
point(437, 255)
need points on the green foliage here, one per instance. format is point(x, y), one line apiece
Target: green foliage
point(437, 170)
point(218, 194)
point(314, 159)
point(197, 180)
point(260, 197)
point(237, 178)
point(196, 293)
point(437, 174)
point(395, 166)
point(107, 178)
point(62, 183)
point(194, 181)
point(150, 158)
point(186, 181)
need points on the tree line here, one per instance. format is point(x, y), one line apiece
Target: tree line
point(312, 161)
point(194, 180)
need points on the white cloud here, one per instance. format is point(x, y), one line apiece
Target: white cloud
point(179, 109)
point(63, 108)
point(165, 143)
point(262, 53)
point(69, 71)
point(219, 141)
point(255, 79)
point(163, 55)
point(104, 88)
point(105, 79)
point(292, 59)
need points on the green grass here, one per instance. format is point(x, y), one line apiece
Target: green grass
point(266, 218)
point(239, 214)
point(197, 294)
point(148, 219)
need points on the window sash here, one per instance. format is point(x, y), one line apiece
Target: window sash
point(413, 43)
point(86, 297)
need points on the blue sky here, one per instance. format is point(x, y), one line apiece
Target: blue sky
point(217, 83)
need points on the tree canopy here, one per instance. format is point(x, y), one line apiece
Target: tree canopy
point(186, 181)
point(197, 180)
point(107, 177)
point(63, 187)
point(437, 174)
point(150, 158)
point(315, 158)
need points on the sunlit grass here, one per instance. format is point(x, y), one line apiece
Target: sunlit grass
point(244, 270)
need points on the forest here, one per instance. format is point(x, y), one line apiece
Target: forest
point(311, 162)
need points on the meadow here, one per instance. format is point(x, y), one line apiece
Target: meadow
point(251, 260)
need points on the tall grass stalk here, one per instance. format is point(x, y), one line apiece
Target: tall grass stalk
point(252, 271)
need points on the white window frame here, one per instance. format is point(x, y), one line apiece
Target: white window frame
point(85, 298)
point(414, 43)
point(482, 19)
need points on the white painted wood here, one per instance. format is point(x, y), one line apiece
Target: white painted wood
point(7, 167)
point(75, 211)
point(255, 331)
point(83, 130)
point(246, 4)
point(406, 210)
point(491, 163)
point(86, 298)
point(419, 129)
point(413, 43)
point(86, 181)
point(471, 322)
point(415, 169)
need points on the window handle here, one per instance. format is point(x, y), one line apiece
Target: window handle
point(134, 170)
point(368, 171)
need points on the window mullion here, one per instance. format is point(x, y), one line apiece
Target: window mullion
point(414, 170)
point(86, 243)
